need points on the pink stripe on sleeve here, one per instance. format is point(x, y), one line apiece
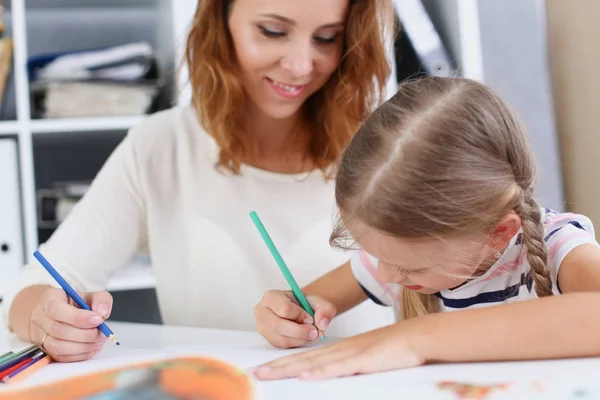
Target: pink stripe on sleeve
point(559, 218)
point(560, 243)
point(364, 259)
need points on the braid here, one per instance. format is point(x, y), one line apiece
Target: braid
point(415, 304)
point(533, 238)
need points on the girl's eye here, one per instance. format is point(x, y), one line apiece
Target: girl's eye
point(271, 33)
point(405, 272)
point(408, 273)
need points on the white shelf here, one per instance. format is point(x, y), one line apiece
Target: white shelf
point(137, 275)
point(57, 4)
point(9, 128)
point(84, 124)
point(43, 26)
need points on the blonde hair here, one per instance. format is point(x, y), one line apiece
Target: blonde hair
point(444, 157)
point(333, 113)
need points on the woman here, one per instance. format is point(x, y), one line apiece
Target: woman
point(279, 88)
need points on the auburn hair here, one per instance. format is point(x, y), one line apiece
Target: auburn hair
point(336, 110)
point(444, 157)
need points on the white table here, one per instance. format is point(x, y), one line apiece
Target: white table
point(246, 349)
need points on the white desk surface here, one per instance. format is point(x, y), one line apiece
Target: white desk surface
point(562, 379)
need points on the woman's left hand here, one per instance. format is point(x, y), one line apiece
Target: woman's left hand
point(379, 350)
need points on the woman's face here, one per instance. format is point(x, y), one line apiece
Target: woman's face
point(286, 49)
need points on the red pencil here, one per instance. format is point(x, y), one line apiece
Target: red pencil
point(34, 366)
point(14, 368)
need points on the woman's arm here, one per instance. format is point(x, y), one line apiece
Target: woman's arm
point(552, 327)
point(100, 235)
point(339, 287)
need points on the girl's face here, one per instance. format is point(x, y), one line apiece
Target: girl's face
point(286, 49)
point(425, 265)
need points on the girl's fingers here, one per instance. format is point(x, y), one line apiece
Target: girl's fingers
point(282, 332)
point(295, 365)
point(293, 330)
point(334, 369)
point(286, 342)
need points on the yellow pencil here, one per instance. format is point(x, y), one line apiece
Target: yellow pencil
point(34, 366)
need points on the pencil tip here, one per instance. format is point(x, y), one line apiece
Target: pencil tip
point(323, 338)
point(117, 343)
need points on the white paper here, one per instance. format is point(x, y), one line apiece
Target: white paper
point(532, 380)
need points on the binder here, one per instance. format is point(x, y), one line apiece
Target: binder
point(11, 228)
point(419, 47)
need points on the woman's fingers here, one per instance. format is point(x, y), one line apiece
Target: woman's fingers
point(59, 348)
point(59, 324)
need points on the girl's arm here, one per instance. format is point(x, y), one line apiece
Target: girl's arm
point(552, 327)
point(339, 287)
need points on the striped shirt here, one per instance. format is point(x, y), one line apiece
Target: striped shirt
point(508, 280)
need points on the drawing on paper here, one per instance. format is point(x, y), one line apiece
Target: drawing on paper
point(470, 391)
point(189, 378)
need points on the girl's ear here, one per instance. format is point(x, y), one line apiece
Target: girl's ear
point(504, 231)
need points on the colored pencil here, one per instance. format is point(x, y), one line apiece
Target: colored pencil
point(19, 357)
point(14, 368)
point(6, 356)
point(27, 370)
point(73, 294)
point(11, 356)
point(283, 267)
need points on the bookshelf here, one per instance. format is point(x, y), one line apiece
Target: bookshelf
point(45, 26)
point(8, 128)
point(97, 124)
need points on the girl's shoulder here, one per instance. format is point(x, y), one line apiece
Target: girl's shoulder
point(555, 221)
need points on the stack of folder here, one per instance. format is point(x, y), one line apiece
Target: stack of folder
point(118, 80)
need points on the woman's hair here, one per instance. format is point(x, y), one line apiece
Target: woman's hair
point(335, 111)
point(443, 158)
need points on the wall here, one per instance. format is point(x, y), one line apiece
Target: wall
point(514, 61)
point(573, 30)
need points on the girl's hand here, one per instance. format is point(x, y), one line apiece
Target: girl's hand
point(379, 350)
point(285, 324)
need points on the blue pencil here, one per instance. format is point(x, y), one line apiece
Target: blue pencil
point(73, 295)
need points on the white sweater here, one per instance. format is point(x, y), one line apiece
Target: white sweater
point(160, 192)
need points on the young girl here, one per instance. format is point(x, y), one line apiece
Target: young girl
point(437, 189)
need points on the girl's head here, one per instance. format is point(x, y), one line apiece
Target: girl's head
point(435, 184)
point(323, 61)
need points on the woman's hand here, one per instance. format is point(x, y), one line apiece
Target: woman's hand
point(383, 349)
point(285, 324)
point(65, 332)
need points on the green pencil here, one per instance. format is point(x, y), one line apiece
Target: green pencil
point(6, 356)
point(284, 269)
